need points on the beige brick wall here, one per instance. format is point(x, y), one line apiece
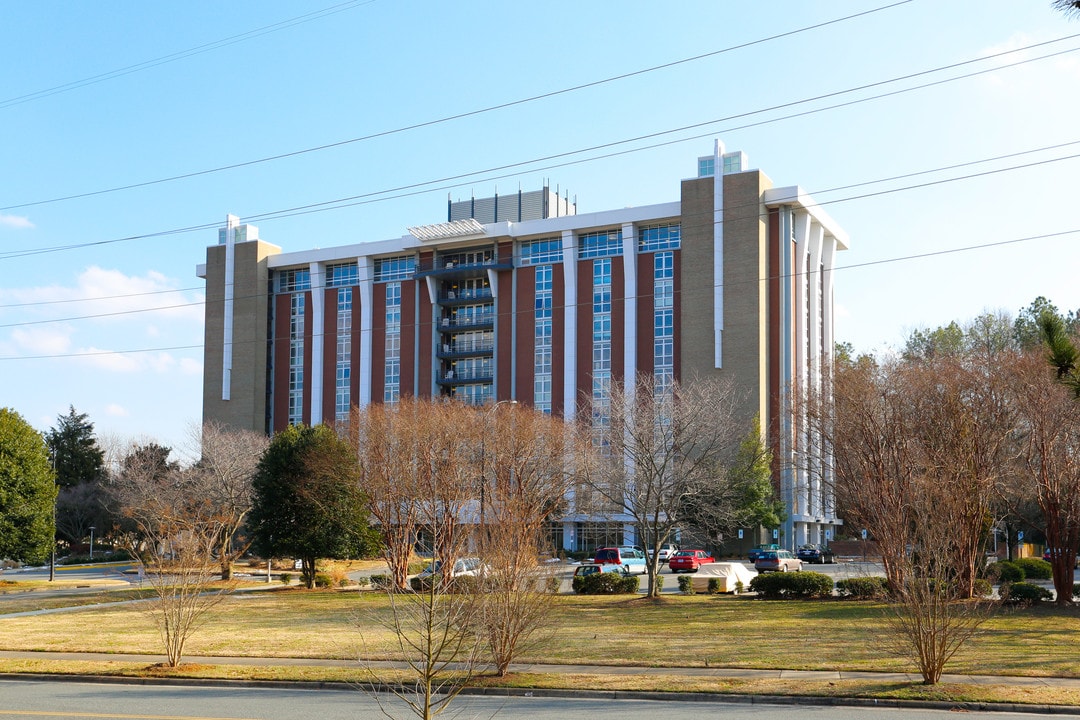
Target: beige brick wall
point(246, 407)
point(745, 348)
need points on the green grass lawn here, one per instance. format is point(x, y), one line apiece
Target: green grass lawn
point(700, 630)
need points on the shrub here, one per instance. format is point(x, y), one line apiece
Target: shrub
point(1076, 590)
point(686, 585)
point(810, 585)
point(740, 588)
point(322, 580)
point(659, 580)
point(605, 583)
point(1023, 593)
point(770, 586)
point(1005, 571)
point(863, 588)
point(714, 585)
point(1035, 568)
point(381, 582)
point(286, 578)
point(982, 588)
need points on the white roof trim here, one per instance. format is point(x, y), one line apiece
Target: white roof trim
point(795, 195)
point(455, 229)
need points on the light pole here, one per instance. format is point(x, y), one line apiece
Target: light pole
point(91, 542)
point(483, 460)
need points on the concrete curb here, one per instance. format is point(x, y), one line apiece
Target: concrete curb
point(614, 695)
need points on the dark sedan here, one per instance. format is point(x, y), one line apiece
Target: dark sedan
point(818, 554)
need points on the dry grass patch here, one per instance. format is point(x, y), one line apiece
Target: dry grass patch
point(677, 631)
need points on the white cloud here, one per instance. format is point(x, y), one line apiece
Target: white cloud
point(114, 295)
point(114, 410)
point(191, 366)
point(16, 221)
point(42, 341)
point(108, 360)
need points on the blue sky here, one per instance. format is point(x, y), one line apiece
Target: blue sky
point(110, 94)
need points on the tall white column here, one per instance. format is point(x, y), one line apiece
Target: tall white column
point(318, 340)
point(367, 295)
point(718, 255)
point(231, 223)
point(630, 305)
point(569, 325)
point(828, 257)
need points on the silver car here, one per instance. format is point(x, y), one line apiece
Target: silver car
point(777, 561)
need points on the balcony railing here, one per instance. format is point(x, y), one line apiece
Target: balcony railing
point(467, 321)
point(460, 349)
point(467, 377)
point(462, 297)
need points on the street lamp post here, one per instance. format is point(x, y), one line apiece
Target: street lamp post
point(483, 461)
point(91, 542)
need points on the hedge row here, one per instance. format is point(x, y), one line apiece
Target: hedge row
point(773, 586)
point(605, 583)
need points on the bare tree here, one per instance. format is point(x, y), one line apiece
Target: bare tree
point(1049, 462)
point(530, 461)
point(175, 538)
point(662, 445)
point(228, 458)
point(390, 443)
point(436, 626)
point(917, 450)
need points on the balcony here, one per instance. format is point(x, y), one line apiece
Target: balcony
point(473, 377)
point(453, 298)
point(475, 321)
point(456, 271)
point(459, 349)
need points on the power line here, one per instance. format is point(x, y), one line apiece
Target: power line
point(415, 188)
point(182, 54)
point(727, 209)
point(38, 303)
point(449, 118)
point(684, 292)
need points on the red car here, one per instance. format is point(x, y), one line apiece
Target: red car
point(689, 560)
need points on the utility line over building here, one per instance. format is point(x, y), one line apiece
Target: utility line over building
point(520, 297)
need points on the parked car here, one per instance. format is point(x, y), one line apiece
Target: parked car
point(752, 556)
point(666, 551)
point(630, 559)
point(463, 567)
point(815, 554)
point(1048, 555)
point(777, 561)
point(593, 568)
point(689, 560)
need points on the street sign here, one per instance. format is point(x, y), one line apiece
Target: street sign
point(828, 534)
point(1019, 536)
point(740, 534)
point(864, 534)
point(775, 533)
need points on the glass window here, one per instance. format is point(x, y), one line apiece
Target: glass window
point(659, 237)
point(293, 280)
point(706, 166)
point(605, 243)
point(400, 267)
point(539, 252)
point(345, 274)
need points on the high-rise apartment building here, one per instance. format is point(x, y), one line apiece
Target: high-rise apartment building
point(521, 298)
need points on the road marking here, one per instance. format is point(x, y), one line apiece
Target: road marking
point(45, 713)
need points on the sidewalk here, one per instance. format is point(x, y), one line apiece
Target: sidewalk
point(793, 675)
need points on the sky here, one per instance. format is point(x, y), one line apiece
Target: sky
point(130, 129)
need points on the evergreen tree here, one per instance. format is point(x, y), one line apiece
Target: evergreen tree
point(307, 501)
point(75, 454)
point(27, 491)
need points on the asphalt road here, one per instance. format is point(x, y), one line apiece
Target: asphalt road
point(33, 700)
